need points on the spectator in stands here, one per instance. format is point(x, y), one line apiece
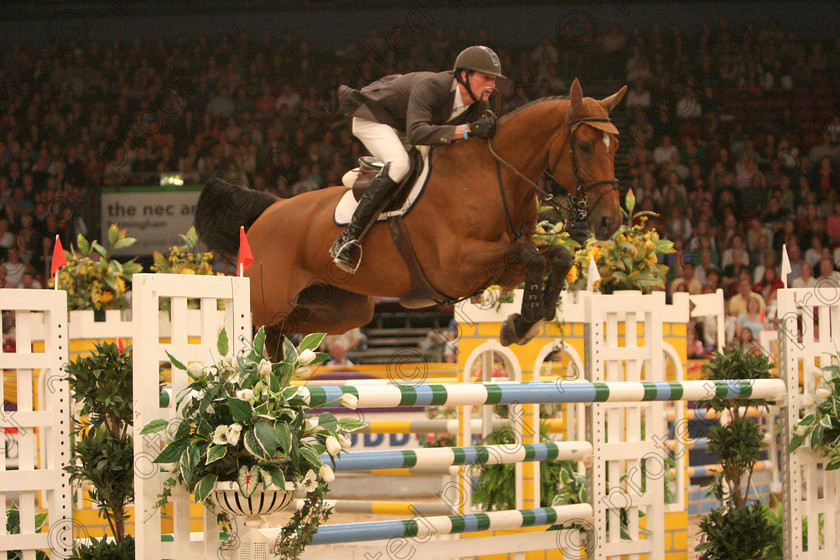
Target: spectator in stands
point(28, 280)
point(738, 302)
point(828, 273)
point(687, 280)
point(805, 279)
point(752, 319)
point(337, 349)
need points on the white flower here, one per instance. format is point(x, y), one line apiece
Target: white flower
point(194, 395)
point(326, 473)
point(196, 370)
point(801, 429)
point(345, 441)
point(229, 363)
point(245, 394)
point(264, 368)
point(349, 400)
point(303, 372)
point(211, 372)
point(304, 395)
point(306, 357)
point(310, 481)
point(332, 444)
point(220, 436)
point(822, 394)
point(233, 432)
point(808, 400)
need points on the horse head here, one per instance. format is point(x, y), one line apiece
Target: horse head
point(582, 159)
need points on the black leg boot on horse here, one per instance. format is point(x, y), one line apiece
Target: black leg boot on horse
point(343, 251)
point(519, 328)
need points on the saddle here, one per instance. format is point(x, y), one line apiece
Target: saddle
point(421, 292)
point(359, 179)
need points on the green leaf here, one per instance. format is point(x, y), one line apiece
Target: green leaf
point(311, 341)
point(259, 344)
point(215, 452)
point(124, 242)
point(113, 234)
point(252, 445)
point(175, 362)
point(310, 457)
point(327, 421)
point(795, 442)
point(277, 478)
point(172, 452)
point(351, 424)
point(807, 420)
point(240, 411)
point(155, 426)
point(204, 487)
point(284, 437)
point(100, 249)
point(289, 351)
point(266, 436)
point(248, 479)
point(834, 464)
point(83, 245)
point(189, 461)
point(222, 343)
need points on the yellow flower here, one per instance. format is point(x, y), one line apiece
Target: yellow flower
point(187, 271)
point(573, 275)
point(121, 285)
point(106, 297)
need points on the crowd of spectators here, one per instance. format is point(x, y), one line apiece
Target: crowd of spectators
point(733, 135)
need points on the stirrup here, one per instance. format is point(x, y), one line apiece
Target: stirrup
point(348, 246)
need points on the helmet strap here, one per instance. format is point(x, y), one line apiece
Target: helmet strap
point(465, 83)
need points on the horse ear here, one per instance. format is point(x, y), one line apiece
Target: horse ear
point(610, 102)
point(576, 99)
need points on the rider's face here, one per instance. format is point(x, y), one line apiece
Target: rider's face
point(482, 84)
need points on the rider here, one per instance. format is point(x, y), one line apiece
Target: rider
point(426, 107)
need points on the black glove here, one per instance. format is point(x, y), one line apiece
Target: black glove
point(484, 127)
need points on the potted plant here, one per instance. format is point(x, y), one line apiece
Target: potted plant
point(737, 528)
point(185, 259)
point(627, 261)
point(103, 446)
point(242, 429)
point(92, 278)
point(819, 429)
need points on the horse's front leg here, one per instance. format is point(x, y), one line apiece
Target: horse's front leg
point(560, 262)
point(522, 327)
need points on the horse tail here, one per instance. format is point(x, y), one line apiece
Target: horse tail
point(222, 208)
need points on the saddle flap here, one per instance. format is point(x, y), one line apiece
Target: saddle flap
point(369, 167)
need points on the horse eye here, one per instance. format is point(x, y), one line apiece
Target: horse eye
point(585, 147)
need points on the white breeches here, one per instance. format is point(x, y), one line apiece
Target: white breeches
point(384, 144)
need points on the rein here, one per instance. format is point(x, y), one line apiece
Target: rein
point(578, 202)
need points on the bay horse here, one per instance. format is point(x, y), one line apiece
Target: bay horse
point(471, 227)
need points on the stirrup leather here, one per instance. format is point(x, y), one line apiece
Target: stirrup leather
point(343, 255)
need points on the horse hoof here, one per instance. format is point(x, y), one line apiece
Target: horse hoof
point(508, 336)
point(532, 332)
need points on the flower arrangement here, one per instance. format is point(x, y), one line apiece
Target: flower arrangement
point(240, 420)
point(628, 261)
point(820, 427)
point(441, 439)
point(184, 259)
point(92, 278)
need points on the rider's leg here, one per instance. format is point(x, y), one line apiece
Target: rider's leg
point(385, 145)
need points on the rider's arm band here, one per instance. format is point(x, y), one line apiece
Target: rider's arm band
point(464, 131)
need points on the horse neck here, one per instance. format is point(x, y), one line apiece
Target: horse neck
point(524, 141)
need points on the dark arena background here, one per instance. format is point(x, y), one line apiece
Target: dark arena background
point(119, 112)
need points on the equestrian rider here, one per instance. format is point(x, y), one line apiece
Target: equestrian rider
point(428, 108)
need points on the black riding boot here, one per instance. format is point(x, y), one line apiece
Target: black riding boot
point(343, 250)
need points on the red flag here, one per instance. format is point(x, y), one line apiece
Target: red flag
point(58, 258)
point(245, 256)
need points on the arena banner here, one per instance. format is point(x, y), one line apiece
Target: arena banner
point(155, 215)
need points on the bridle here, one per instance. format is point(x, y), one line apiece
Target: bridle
point(578, 203)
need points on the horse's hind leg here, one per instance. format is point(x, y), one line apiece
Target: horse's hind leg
point(560, 262)
point(522, 327)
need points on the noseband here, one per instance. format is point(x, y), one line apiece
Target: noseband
point(579, 201)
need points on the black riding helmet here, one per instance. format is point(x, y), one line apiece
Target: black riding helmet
point(477, 59)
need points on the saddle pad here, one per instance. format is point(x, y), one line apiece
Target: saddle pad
point(347, 205)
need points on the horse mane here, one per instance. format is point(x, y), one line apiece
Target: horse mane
point(521, 108)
